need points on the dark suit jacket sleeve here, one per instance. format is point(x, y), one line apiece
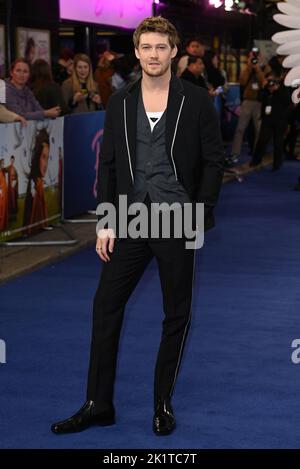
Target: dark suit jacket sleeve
point(106, 190)
point(212, 156)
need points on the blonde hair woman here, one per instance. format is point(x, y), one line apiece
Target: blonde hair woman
point(80, 91)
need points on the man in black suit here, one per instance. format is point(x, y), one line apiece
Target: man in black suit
point(195, 72)
point(161, 144)
point(276, 104)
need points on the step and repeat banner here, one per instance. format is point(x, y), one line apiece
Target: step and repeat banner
point(48, 170)
point(82, 144)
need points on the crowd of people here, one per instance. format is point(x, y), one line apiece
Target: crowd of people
point(267, 113)
point(35, 91)
point(31, 93)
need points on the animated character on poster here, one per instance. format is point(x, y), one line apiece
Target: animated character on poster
point(35, 211)
point(30, 51)
point(13, 188)
point(2, 52)
point(3, 198)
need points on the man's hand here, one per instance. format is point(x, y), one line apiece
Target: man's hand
point(105, 243)
point(250, 64)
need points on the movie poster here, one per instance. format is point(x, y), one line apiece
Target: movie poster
point(2, 51)
point(33, 44)
point(30, 176)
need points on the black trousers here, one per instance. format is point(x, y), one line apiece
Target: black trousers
point(118, 279)
point(268, 130)
point(291, 138)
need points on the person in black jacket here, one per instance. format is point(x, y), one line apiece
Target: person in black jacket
point(276, 104)
point(161, 143)
point(46, 91)
point(194, 72)
point(214, 76)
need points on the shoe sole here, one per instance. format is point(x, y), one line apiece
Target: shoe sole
point(102, 423)
point(105, 423)
point(165, 432)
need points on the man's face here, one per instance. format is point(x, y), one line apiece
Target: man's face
point(196, 49)
point(272, 83)
point(155, 54)
point(198, 67)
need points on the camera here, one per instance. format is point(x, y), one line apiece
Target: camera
point(254, 58)
point(272, 82)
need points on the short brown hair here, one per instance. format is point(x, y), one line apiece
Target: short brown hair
point(156, 24)
point(20, 60)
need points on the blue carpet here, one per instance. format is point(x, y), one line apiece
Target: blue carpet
point(238, 387)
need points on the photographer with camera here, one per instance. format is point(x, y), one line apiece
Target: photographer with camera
point(276, 104)
point(252, 81)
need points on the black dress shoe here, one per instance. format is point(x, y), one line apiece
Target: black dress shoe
point(84, 418)
point(163, 420)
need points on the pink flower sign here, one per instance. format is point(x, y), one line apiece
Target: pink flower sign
point(122, 13)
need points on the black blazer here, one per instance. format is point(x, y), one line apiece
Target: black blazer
point(189, 76)
point(193, 143)
point(281, 103)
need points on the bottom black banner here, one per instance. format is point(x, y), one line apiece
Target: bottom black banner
point(145, 457)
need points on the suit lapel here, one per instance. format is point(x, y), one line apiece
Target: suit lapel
point(131, 119)
point(173, 107)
